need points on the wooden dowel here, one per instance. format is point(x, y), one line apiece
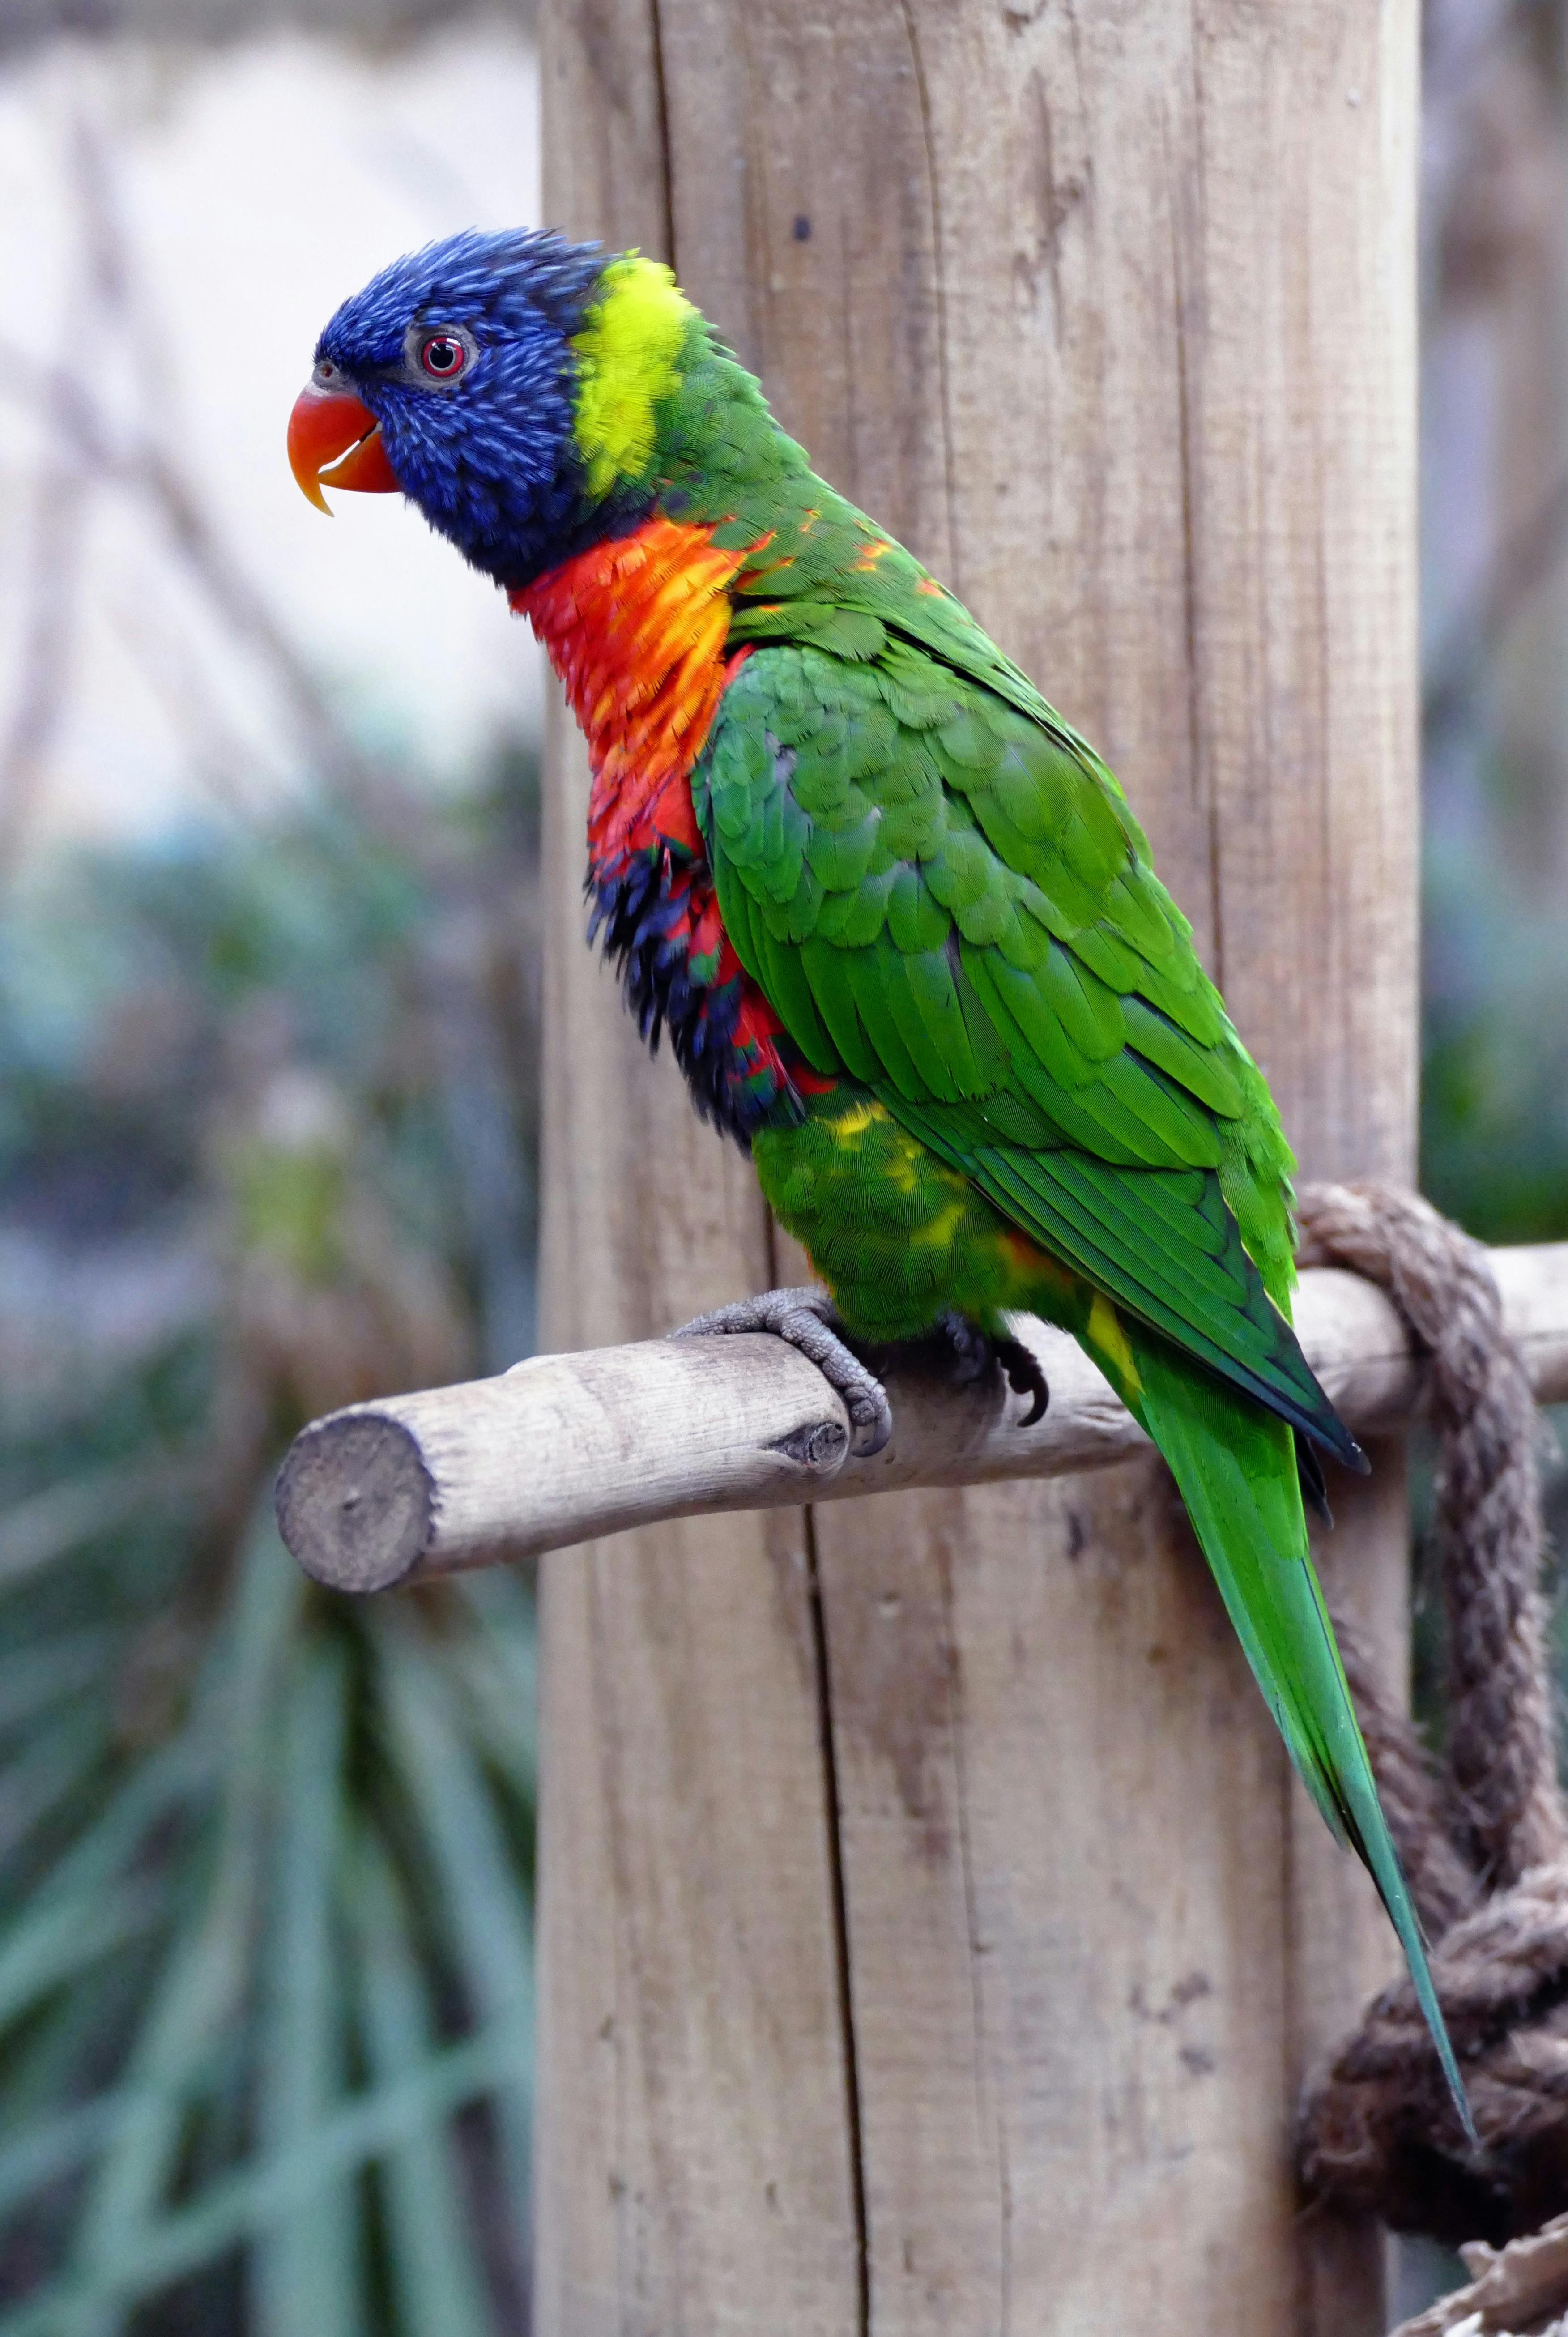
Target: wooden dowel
point(563, 1448)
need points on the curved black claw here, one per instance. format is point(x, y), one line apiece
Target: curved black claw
point(971, 1355)
point(1025, 1377)
point(805, 1318)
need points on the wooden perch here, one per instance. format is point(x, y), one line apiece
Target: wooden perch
point(563, 1448)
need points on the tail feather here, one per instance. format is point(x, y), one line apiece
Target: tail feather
point(1235, 1467)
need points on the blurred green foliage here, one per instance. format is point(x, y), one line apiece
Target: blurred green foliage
point(1494, 1134)
point(1495, 1047)
point(267, 1127)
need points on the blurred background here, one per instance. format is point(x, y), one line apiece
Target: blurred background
point(268, 1000)
point(269, 1047)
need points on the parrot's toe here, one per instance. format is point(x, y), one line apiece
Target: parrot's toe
point(806, 1320)
point(973, 1355)
point(969, 1355)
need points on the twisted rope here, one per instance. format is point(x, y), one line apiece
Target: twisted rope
point(1484, 1840)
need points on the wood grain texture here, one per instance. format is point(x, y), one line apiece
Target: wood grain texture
point(1110, 314)
point(693, 2167)
point(694, 2149)
point(563, 1448)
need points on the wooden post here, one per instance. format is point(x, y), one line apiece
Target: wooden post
point(932, 1939)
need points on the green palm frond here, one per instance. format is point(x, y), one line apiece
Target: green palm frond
point(306, 1915)
point(265, 1956)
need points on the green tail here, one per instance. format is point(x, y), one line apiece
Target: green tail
point(1235, 1467)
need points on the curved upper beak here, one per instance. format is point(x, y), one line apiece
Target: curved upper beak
point(327, 424)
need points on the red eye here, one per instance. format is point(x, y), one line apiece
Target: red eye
point(443, 356)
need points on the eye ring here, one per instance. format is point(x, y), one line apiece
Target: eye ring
point(442, 356)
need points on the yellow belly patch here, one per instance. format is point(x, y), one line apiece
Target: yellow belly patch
point(897, 1235)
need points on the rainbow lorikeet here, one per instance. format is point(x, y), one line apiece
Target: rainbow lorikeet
point(896, 916)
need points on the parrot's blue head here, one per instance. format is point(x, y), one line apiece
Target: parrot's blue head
point(506, 385)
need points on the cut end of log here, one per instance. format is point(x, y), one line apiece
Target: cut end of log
point(356, 1503)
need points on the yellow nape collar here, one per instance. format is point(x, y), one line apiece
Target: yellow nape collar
point(627, 352)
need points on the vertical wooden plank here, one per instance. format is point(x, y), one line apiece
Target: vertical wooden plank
point(1110, 314)
point(693, 2167)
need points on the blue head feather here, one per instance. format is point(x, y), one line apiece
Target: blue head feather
point(489, 458)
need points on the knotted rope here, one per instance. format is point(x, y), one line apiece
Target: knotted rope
point(1484, 1839)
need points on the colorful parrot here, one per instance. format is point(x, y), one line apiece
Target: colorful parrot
point(896, 916)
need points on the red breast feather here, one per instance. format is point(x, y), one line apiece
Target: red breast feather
point(637, 630)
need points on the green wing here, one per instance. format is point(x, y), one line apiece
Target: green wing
point(945, 896)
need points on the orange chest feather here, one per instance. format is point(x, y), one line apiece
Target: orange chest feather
point(635, 628)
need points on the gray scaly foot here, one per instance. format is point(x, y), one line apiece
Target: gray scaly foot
point(805, 1318)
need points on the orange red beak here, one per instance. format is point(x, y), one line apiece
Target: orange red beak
point(334, 441)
